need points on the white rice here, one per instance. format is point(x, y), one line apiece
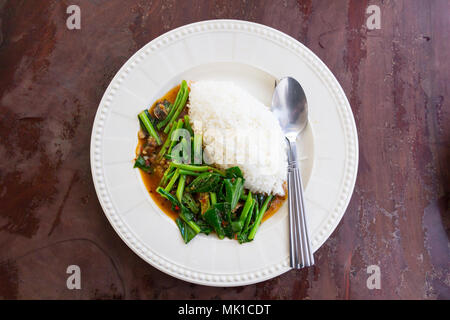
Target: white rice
point(238, 130)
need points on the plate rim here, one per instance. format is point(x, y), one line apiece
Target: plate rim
point(286, 42)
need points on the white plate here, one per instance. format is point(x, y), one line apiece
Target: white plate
point(253, 56)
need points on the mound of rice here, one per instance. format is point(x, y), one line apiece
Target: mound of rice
point(238, 130)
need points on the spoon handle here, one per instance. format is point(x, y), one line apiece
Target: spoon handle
point(301, 254)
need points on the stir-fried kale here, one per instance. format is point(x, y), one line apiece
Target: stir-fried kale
point(233, 188)
point(204, 226)
point(186, 223)
point(190, 203)
point(248, 207)
point(210, 203)
point(206, 182)
point(206, 198)
point(234, 172)
point(216, 216)
point(187, 233)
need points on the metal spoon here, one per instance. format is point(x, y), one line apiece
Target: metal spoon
point(291, 108)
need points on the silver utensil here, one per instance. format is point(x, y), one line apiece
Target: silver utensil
point(291, 108)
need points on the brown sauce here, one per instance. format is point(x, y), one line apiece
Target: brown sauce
point(151, 181)
point(276, 204)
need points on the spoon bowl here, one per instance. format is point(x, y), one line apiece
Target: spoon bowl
point(290, 106)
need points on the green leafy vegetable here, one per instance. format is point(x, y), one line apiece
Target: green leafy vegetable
point(166, 144)
point(145, 117)
point(173, 108)
point(187, 124)
point(186, 231)
point(167, 175)
point(259, 217)
point(213, 198)
point(142, 164)
point(206, 182)
point(204, 226)
point(180, 188)
point(233, 172)
point(197, 168)
point(189, 172)
point(179, 107)
point(238, 225)
point(186, 215)
point(190, 203)
point(172, 181)
point(169, 197)
point(233, 191)
point(214, 216)
point(242, 236)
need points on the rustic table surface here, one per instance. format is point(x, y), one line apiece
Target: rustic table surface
point(397, 81)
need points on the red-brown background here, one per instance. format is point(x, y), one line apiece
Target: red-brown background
point(396, 79)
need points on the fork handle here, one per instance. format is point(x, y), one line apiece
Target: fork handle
point(301, 254)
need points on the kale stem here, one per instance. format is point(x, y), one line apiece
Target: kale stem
point(187, 124)
point(259, 217)
point(180, 106)
point(189, 172)
point(166, 143)
point(166, 176)
point(196, 168)
point(249, 216)
point(191, 223)
point(172, 181)
point(247, 206)
point(180, 188)
point(148, 125)
point(213, 198)
point(173, 108)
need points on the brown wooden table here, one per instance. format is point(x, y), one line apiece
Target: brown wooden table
point(397, 81)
